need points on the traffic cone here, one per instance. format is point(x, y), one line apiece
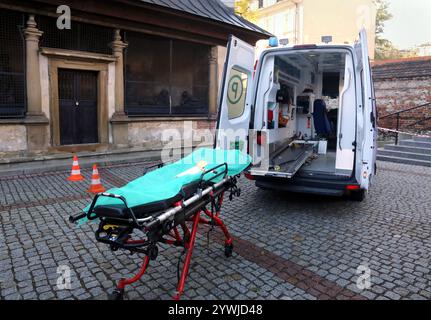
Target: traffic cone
point(96, 185)
point(76, 171)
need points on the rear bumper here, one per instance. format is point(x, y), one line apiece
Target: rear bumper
point(320, 186)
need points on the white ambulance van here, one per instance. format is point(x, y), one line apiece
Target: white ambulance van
point(306, 114)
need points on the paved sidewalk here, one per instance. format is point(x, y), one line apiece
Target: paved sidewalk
point(286, 246)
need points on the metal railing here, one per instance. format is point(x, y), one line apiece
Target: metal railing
point(399, 117)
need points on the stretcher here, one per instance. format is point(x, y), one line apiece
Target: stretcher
point(166, 206)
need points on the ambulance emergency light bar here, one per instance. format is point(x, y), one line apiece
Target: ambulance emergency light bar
point(274, 42)
point(326, 39)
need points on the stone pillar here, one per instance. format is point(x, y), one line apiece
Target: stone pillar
point(213, 80)
point(119, 119)
point(34, 96)
point(36, 121)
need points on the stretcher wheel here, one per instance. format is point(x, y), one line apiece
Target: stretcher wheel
point(228, 250)
point(117, 294)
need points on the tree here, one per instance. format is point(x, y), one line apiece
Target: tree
point(244, 9)
point(385, 49)
point(383, 15)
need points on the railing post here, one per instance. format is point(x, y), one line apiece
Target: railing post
point(398, 127)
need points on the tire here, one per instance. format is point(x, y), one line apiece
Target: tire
point(357, 196)
point(264, 188)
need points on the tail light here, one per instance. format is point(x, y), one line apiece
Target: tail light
point(352, 187)
point(249, 176)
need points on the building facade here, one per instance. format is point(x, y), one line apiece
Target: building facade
point(307, 21)
point(122, 73)
point(424, 50)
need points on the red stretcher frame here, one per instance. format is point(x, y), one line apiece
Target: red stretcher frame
point(187, 241)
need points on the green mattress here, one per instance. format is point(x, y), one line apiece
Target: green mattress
point(168, 181)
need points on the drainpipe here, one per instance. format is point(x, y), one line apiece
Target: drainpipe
point(297, 3)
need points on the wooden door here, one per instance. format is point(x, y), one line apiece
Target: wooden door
point(78, 106)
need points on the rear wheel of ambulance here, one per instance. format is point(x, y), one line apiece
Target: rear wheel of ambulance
point(357, 196)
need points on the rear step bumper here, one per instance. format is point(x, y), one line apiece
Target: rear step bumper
point(304, 185)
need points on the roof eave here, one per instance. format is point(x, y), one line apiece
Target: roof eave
point(249, 33)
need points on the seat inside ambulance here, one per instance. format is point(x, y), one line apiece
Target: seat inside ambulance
point(311, 99)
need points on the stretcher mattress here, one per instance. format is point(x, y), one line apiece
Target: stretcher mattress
point(159, 189)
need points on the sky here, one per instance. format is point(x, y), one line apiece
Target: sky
point(411, 23)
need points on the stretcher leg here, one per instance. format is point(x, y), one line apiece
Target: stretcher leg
point(186, 232)
point(226, 233)
point(189, 246)
point(228, 243)
point(118, 293)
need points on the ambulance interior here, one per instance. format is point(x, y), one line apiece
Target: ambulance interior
point(308, 121)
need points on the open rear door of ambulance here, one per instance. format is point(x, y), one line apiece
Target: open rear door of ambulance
point(368, 149)
point(235, 102)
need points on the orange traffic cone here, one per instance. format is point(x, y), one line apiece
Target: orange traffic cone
point(96, 185)
point(76, 171)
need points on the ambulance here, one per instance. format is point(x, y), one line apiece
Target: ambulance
point(306, 114)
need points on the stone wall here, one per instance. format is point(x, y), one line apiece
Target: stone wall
point(154, 135)
point(39, 131)
point(399, 94)
point(13, 138)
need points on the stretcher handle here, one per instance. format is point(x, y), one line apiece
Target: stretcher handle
point(111, 195)
point(114, 196)
point(223, 173)
point(87, 215)
point(74, 219)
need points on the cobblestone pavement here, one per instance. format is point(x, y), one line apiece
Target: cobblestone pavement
point(286, 246)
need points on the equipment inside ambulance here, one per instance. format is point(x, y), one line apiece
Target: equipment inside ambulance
point(306, 114)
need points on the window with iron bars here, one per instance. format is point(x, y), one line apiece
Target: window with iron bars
point(80, 37)
point(165, 76)
point(12, 65)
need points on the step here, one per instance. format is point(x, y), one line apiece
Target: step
point(422, 139)
point(392, 147)
point(402, 154)
point(413, 143)
point(404, 161)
